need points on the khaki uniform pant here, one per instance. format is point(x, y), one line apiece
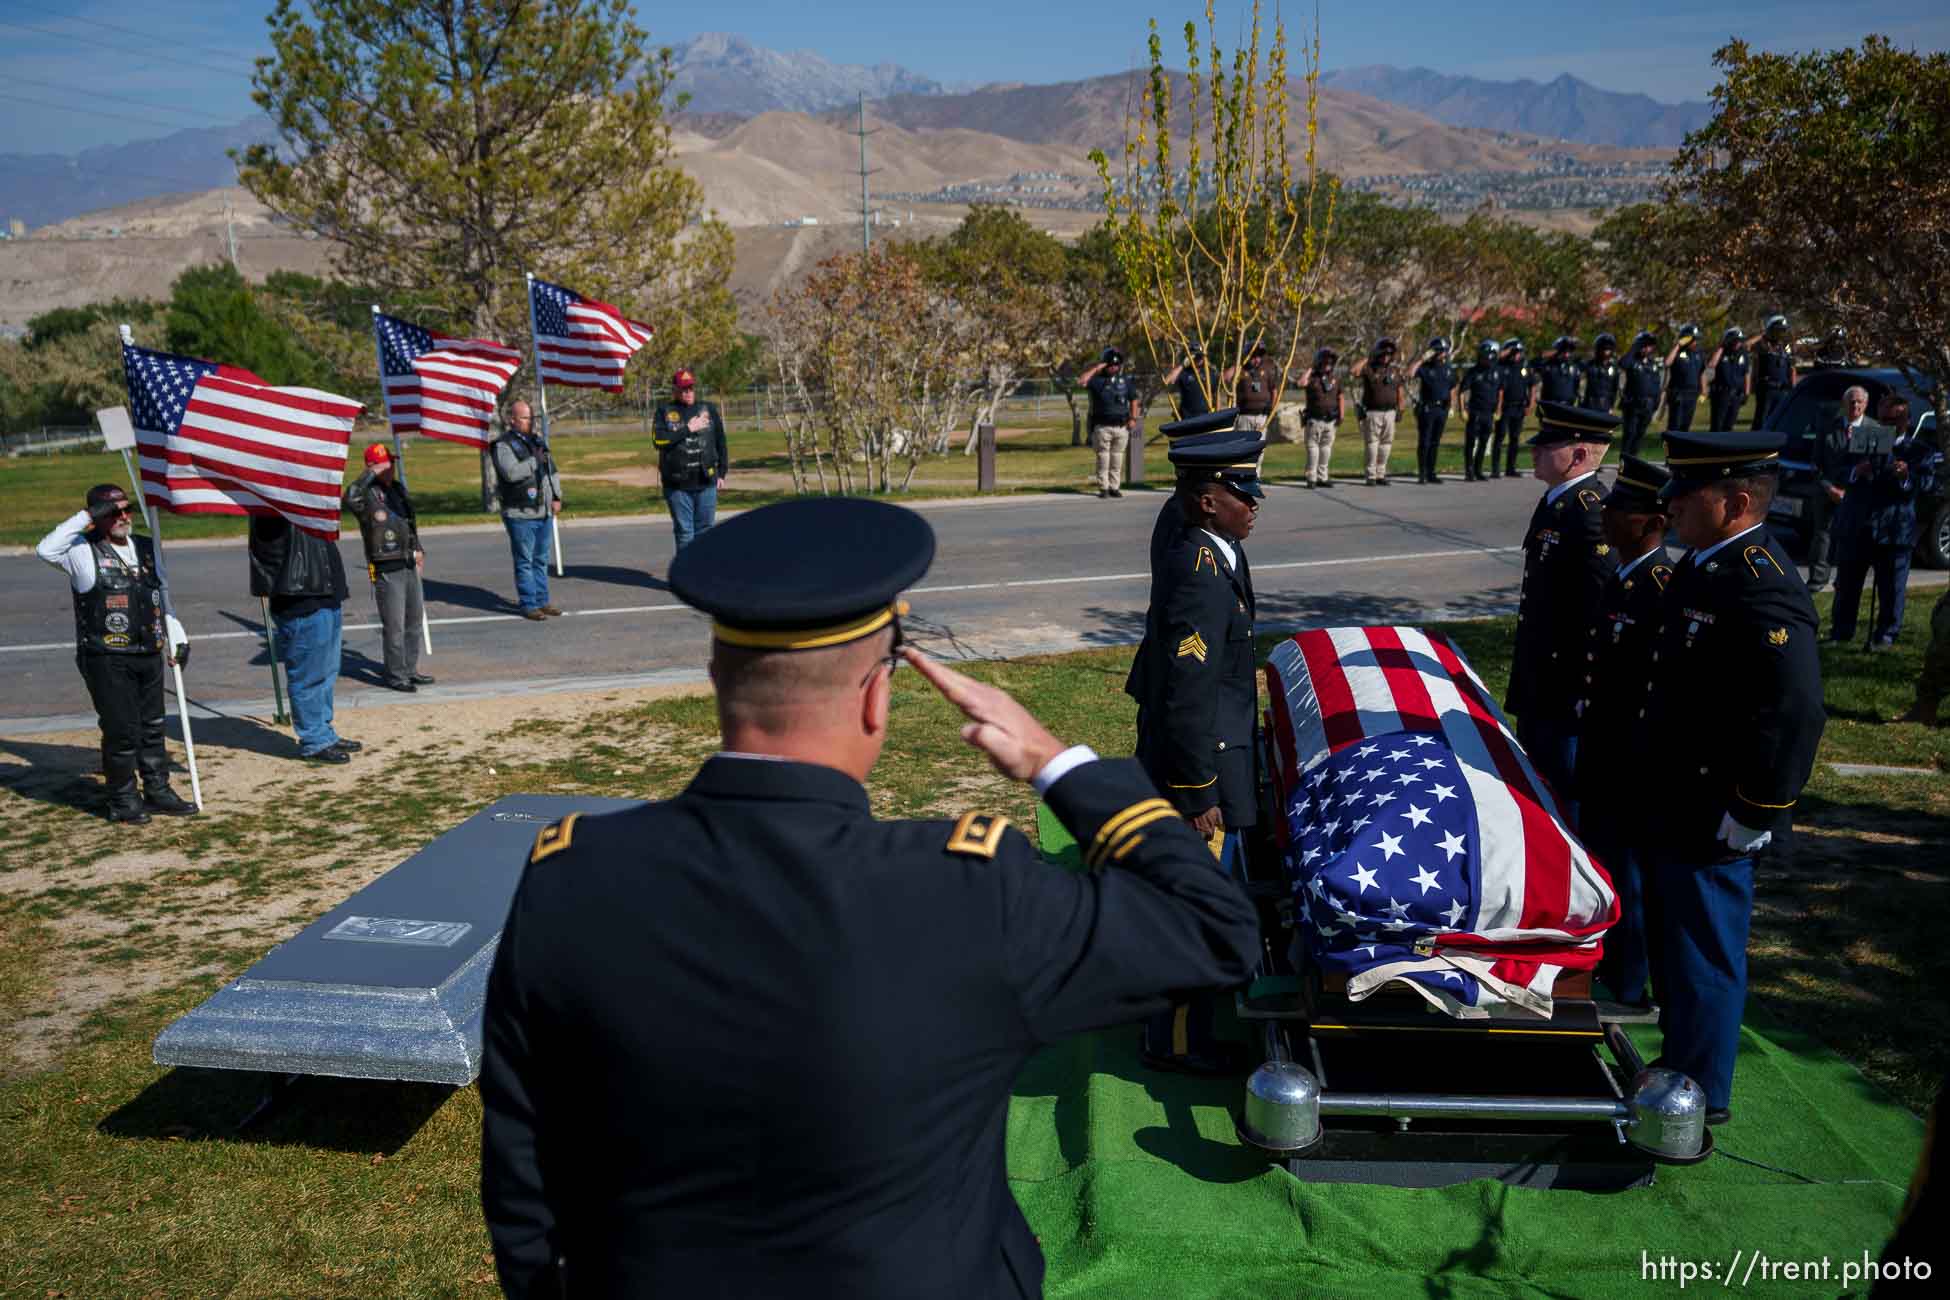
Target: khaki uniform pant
point(1112, 442)
point(1377, 440)
point(1320, 446)
point(1255, 423)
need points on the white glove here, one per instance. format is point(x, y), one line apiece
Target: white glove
point(1742, 839)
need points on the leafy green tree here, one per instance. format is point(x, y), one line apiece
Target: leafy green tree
point(1820, 179)
point(447, 146)
point(213, 313)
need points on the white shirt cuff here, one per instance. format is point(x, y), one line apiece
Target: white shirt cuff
point(1061, 766)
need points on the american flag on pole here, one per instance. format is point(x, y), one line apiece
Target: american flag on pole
point(216, 439)
point(581, 342)
point(1423, 846)
point(438, 386)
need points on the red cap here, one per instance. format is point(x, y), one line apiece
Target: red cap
point(376, 454)
point(683, 379)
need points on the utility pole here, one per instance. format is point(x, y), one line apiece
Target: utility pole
point(866, 210)
point(230, 236)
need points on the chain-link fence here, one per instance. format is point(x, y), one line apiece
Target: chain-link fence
point(49, 439)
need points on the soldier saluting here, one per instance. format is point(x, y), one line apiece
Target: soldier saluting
point(1482, 387)
point(1736, 688)
point(122, 633)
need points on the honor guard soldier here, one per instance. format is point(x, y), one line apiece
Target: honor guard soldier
point(1683, 370)
point(1774, 373)
point(1732, 371)
point(1645, 384)
point(122, 632)
point(1519, 388)
point(1171, 516)
point(754, 1041)
point(1113, 414)
point(1326, 405)
point(1736, 691)
point(1561, 373)
point(1613, 741)
point(1566, 562)
point(1435, 393)
point(1192, 377)
point(1602, 375)
point(1193, 680)
point(1482, 388)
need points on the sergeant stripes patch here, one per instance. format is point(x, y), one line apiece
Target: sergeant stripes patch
point(1193, 645)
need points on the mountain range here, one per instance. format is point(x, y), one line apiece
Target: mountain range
point(722, 73)
point(1563, 109)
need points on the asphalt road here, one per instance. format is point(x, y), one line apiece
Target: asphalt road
point(1011, 576)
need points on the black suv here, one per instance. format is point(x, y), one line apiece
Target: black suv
point(1812, 407)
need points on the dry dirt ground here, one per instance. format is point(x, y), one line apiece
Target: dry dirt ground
point(91, 914)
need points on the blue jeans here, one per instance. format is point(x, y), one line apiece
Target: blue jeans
point(692, 510)
point(528, 540)
point(308, 647)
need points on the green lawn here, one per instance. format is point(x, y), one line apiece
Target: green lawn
point(1034, 455)
point(118, 1178)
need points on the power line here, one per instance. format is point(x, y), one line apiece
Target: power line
point(122, 49)
point(123, 99)
point(151, 36)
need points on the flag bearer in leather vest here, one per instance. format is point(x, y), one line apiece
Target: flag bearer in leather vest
point(394, 560)
point(121, 634)
point(691, 457)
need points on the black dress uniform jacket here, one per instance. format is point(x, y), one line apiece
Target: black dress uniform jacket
point(1613, 736)
point(1737, 690)
point(1193, 680)
point(1565, 565)
point(751, 1042)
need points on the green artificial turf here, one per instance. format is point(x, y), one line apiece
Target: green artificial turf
point(1137, 1185)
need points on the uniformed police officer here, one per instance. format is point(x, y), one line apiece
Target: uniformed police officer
point(1645, 385)
point(1379, 407)
point(1435, 393)
point(1612, 738)
point(1519, 390)
point(1683, 371)
point(1255, 388)
point(752, 1041)
point(1482, 388)
point(121, 634)
point(1194, 684)
point(1736, 689)
point(1560, 374)
point(1192, 378)
point(1566, 562)
point(1326, 405)
point(1732, 371)
point(692, 459)
point(1774, 373)
point(1601, 375)
point(1113, 414)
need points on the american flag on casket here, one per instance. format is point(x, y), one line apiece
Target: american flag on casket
point(1423, 846)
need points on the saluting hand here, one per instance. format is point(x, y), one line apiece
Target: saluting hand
point(1009, 734)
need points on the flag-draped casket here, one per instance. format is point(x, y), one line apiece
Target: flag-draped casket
point(1423, 846)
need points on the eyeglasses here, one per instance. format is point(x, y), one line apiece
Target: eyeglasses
point(890, 661)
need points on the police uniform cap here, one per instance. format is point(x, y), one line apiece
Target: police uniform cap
point(1112, 357)
point(1697, 459)
point(1562, 422)
point(1220, 421)
point(1643, 337)
point(1604, 341)
point(804, 574)
point(1224, 457)
point(1638, 486)
point(1513, 343)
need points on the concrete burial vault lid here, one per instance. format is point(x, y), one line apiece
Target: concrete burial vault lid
point(388, 984)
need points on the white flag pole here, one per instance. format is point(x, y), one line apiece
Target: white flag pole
point(399, 460)
point(162, 578)
point(541, 394)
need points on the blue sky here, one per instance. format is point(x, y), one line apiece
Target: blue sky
point(87, 72)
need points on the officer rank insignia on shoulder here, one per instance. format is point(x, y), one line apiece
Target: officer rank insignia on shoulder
point(1193, 647)
point(1777, 636)
point(553, 839)
point(977, 834)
